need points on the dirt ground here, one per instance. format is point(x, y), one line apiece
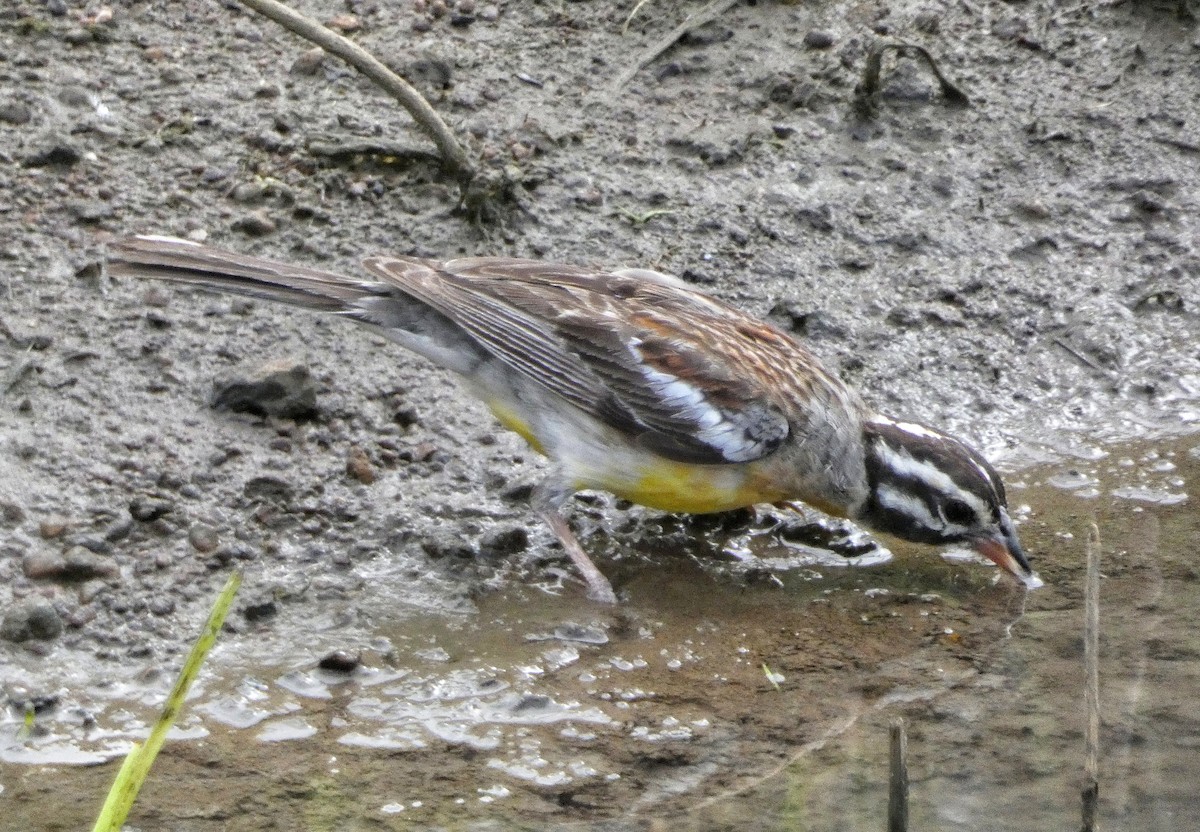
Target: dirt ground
point(1023, 271)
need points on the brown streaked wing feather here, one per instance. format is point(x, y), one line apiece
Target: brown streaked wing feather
point(638, 355)
point(498, 320)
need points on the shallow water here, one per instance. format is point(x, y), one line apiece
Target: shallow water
point(721, 692)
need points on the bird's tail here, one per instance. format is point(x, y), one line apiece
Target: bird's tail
point(386, 306)
point(170, 258)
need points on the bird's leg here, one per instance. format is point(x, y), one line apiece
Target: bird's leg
point(547, 499)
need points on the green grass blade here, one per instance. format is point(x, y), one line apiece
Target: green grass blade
point(137, 764)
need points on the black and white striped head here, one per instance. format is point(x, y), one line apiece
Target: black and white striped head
point(928, 487)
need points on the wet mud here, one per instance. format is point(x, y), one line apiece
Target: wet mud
point(1022, 271)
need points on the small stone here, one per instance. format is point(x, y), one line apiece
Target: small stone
point(54, 151)
point(162, 606)
point(34, 618)
point(78, 36)
point(146, 511)
point(447, 545)
point(344, 23)
point(421, 452)
point(905, 316)
point(341, 661)
point(260, 609)
point(521, 492)
point(95, 544)
point(279, 388)
point(309, 62)
point(247, 192)
point(203, 538)
point(255, 224)
point(82, 565)
point(15, 112)
point(213, 174)
point(359, 466)
point(52, 528)
point(271, 489)
point(929, 22)
point(90, 211)
point(500, 543)
point(91, 590)
point(40, 565)
point(119, 530)
point(818, 39)
point(11, 514)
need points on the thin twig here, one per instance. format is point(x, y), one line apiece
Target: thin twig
point(706, 15)
point(1091, 690)
point(866, 94)
point(898, 779)
point(1087, 362)
point(637, 8)
point(453, 156)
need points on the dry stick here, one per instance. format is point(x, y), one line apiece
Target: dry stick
point(706, 15)
point(867, 92)
point(453, 156)
point(1083, 359)
point(1091, 691)
point(898, 779)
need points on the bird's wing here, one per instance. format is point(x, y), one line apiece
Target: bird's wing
point(679, 372)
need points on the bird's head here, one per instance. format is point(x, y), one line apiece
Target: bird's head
point(928, 487)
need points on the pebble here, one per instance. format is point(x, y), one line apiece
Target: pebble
point(15, 112)
point(344, 23)
point(52, 528)
point(260, 609)
point(82, 564)
point(255, 224)
point(268, 488)
point(203, 538)
point(54, 151)
point(11, 514)
point(34, 618)
point(38, 565)
point(285, 389)
point(146, 511)
point(341, 661)
point(503, 542)
point(91, 590)
point(358, 465)
point(309, 62)
point(246, 192)
point(119, 530)
point(447, 544)
point(95, 544)
point(818, 39)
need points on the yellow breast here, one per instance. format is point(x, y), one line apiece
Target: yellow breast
point(693, 489)
point(596, 458)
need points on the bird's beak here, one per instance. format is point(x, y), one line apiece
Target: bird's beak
point(1005, 551)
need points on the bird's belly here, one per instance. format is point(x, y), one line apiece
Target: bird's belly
point(693, 489)
point(594, 457)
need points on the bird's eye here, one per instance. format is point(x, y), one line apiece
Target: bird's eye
point(958, 513)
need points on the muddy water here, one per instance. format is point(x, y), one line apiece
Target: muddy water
point(722, 692)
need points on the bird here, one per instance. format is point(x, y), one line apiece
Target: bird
point(632, 381)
